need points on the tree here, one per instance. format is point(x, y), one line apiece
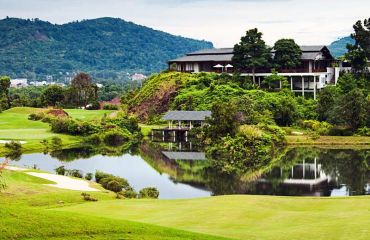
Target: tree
point(326, 101)
point(83, 90)
point(4, 92)
point(353, 109)
point(287, 53)
point(53, 95)
point(359, 53)
point(251, 52)
point(223, 120)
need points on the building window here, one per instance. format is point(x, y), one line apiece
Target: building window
point(189, 67)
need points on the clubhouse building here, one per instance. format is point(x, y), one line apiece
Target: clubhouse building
point(314, 73)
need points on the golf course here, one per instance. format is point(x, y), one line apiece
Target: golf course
point(33, 210)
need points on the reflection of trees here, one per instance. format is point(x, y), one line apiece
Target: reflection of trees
point(350, 167)
point(68, 155)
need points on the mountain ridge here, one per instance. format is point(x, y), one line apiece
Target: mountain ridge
point(106, 45)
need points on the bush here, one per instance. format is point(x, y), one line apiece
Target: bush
point(128, 194)
point(116, 138)
point(93, 139)
point(321, 128)
point(75, 173)
point(35, 116)
point(13, 146)
point(365, 131)
point(56, 142)
point(340, 131)
point(73, 127)
point(110, 107)
point(149, 192)
point(87, 197)
point(89, 176)
point(100, 175)
point(93, 106)
point(60, 170)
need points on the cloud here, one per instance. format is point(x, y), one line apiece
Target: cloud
point(220, 21)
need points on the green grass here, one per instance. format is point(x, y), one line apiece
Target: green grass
point(27, 211)
point(14, 125)
point(147, 129)
point(87, 115)
point(328, 140)
point(247, 217)
point(27, 203)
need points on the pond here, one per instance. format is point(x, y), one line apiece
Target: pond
point(181, 170)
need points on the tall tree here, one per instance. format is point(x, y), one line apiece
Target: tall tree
point(4, 92)
point(53, 95)
point(359, 53)
point(287, 53)
point(83, 91)
point(326, 101)
point(353, 109)
point(251, 52)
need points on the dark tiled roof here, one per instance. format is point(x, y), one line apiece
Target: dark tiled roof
point(205, 58)
point(226, 54)
point(185, 155)
point(187, 115)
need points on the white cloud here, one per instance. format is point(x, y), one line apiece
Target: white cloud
point(222, 22)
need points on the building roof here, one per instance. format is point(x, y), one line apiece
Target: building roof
point(226, 54)
point(187, 115)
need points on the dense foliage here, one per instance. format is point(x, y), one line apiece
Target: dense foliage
point(103, 47)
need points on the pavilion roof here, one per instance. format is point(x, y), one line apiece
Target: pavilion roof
point(187, 115)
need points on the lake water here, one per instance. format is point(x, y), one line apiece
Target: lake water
point(180, 170)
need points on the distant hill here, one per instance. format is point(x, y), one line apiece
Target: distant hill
point(106, 47)
point(338, 47)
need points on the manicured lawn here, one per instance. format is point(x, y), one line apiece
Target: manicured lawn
point(14, 125)
point(87, 115)
point(328, 140)
point(147, 129)
point(27, 212)
point(247, 217)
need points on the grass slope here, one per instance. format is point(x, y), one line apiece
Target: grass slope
point(26, 212)
point(14, 125)
point(247, 217)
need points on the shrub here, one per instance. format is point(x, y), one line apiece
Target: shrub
point(110, 107)
point(93, 106)
point(74, 173)
point(87, 197)
point(89, 176)
point(13, 146)
point(56, 142)
point(365, 131)
point(128, 194)
point(321, 128)
point(149, 192)
point(100, 175)
point(60, 170)
point(340, 131)
point(93, 139)
point(116, 138)
point(115, 184)
point(35, 116)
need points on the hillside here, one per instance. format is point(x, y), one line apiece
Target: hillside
point(338, 47)
point(105, 47)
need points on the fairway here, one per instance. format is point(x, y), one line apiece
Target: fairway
point(87, 115)
point(26, 213)
point(247, 217)
point(14, 125)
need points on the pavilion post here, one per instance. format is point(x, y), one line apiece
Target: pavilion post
point(314, 87)
point(280, 85)
point(191, 126)
point(291, 83)
point(302, 86)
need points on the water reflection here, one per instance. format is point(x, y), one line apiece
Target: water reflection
point(181, 170)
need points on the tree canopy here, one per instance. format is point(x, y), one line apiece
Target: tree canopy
point(251, 52)
point(287, 53)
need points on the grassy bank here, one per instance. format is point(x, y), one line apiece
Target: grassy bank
point(27, 203)
point(27, 211)
point(14, 125)
point(328, 140)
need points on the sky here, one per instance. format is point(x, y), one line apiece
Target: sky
point(309, 22)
